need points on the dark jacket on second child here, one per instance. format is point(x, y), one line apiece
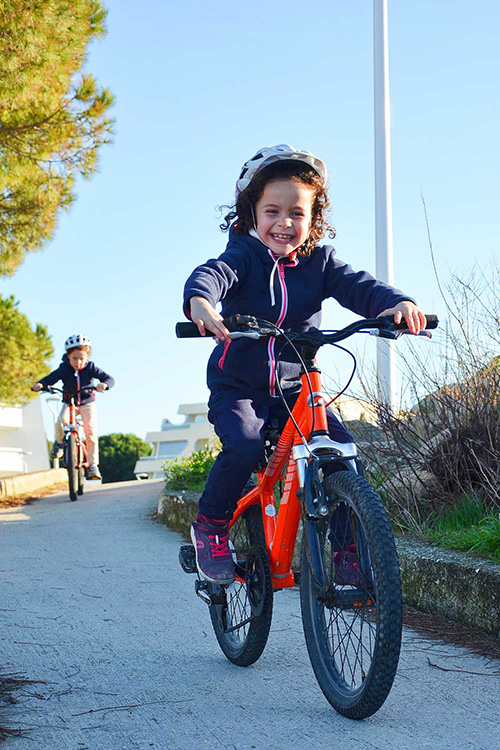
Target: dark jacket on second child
point(71, 377)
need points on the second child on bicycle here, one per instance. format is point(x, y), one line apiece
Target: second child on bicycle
point(76, 371)
point(272, 268)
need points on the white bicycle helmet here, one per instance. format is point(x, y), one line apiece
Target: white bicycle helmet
point(77, 339)
point(268, 155)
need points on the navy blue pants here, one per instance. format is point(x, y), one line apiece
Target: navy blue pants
point(239, 422)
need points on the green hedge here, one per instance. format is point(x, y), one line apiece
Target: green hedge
point(189, 473)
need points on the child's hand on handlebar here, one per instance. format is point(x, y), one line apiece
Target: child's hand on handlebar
point(206, 318)
point(37, 387)
point(414, 317)
point(101, 387)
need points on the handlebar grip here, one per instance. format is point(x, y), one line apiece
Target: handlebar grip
point(432, 322)
point(235, 322)
point(187, 331)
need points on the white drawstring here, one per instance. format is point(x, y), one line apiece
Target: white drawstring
point(253, 233)
point(271, 282)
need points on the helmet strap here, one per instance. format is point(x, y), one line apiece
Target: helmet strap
point(253, 217)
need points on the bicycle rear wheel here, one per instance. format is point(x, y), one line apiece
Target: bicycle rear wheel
point(353, 627)
point(243, 618)
point(70, 459)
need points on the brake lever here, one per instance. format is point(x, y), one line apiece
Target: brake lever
point(244, 335)
point(255, 334)
point(427, 334)
point(386, 334)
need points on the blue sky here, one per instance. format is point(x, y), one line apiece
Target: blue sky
point(199, 88)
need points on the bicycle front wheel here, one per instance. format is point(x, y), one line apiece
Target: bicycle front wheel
point(81, 471)
point(242, 620)
point(71, 466)
point(81, 478)
point(353, 621)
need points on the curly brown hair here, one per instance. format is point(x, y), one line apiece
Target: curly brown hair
point(287, 169)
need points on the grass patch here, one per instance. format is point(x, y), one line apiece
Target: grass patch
point(466, 526)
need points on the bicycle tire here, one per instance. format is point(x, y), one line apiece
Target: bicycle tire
point(245, 644)
point(70, 459)
point(81, 474)
point(354, 649)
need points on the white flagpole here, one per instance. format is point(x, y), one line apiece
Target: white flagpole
point(386, 369)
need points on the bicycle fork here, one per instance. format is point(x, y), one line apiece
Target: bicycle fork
point(319, 452)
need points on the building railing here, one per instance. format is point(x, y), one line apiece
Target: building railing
point(156, 458)
point(12, 459)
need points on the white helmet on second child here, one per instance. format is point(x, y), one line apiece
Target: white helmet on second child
point(77, 339)
point(268, 155)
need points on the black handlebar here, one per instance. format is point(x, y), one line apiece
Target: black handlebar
point(53, 389)
point(246, 324)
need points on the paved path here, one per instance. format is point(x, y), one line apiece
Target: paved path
point(94, 604)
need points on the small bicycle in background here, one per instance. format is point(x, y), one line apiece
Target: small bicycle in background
point(74, 444)
point(350, 588)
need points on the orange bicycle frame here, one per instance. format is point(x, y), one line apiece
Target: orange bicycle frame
point(72, 426)
point(281, 528)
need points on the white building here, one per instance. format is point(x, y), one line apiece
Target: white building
point(23, 445)
point(348, 409)
point(176, 441)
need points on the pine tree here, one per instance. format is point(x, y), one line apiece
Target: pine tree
point(53, 116)
point(24, 353)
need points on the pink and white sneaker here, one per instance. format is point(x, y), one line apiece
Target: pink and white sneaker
point(214, 560)
point(347, 570)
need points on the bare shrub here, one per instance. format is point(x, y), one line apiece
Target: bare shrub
point(448, 443)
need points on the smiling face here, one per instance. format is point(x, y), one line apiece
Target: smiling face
point(283, 214)
point(78, 358)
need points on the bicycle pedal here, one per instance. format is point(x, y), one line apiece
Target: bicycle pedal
point(201, 588)
point(352, 598)
point(187, 558)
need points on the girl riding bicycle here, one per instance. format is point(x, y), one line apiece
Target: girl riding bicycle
point(272, 268)
point(76, 372)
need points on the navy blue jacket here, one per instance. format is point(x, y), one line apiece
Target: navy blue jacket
point(68, 375)
point(241, 280)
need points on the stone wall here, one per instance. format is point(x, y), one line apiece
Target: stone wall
point(23, 484)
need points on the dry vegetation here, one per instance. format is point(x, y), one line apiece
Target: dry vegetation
point(447, 445)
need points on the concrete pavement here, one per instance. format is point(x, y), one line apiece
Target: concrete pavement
point(94, 605)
